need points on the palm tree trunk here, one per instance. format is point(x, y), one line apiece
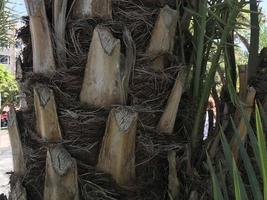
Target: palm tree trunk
point(88, 129)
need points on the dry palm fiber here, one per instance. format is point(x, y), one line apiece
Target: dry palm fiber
point(83, 127)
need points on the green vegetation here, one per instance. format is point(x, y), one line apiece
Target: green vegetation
point(223, 21)
point(6, 24)
point(263, 36)
point(8, 85)
point(243, 34)
point(252, 188)
point(249, 177)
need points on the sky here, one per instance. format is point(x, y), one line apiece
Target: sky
point(18, 6)
point(264, 6)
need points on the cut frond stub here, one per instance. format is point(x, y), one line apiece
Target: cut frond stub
point(43, 58)
point(59, 17)
point(19, 165)
point(173, 184)
point(102, 84)
point(61, 180)
point(92, 8)
point(168, 118)
point(242, 129)
point(243, 80)
point(117, 154)
point(46, 114)
point(163, 36)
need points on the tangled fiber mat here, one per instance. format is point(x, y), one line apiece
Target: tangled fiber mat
point(83, 127)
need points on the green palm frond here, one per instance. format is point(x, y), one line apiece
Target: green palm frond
point(257, 185)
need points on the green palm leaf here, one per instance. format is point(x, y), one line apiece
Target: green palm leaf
point(262, 150)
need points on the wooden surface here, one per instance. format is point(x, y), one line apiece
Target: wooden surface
point(243, 85)
point(102, 84)
point(92, 8)
point(168, 118)
point(173, 180)
point(61, 181)
point(243, 82)
point(248, 109)
point(43, 58)
point(117, 154)
point(130, 59)
point(19, 165)
point(163, 35)
point(46, 114)
point(59, 18)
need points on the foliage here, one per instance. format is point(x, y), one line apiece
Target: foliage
point(8, 85)
point(6, 24)
point(243, 36)
point(257, 184)
point(263, 36)
point(224, 19)
point(241, 50)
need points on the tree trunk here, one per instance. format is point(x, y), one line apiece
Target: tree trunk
point(89, 132)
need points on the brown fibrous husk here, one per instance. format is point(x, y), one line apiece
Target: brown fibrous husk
point(83, 126)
